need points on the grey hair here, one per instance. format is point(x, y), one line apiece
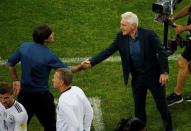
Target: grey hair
point(130, 17)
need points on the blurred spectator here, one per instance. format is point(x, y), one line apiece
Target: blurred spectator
point(131, 124)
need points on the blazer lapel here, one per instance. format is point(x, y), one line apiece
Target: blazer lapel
point(142, 45)
point(126, 45)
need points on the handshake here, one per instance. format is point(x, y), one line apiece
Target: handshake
point(85, 64)
point(81, 67)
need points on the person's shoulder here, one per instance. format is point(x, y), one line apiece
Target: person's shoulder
point(76, 88)
point(19, 108)
point(26, 45)
point(119, 34)
point(78, 91)
point(146, 30)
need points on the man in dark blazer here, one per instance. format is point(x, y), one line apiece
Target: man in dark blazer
point(142, 55)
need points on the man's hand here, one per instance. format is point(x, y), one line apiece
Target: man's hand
point(80, 67)
point(179, 29)
point(86, 64)
point(171, 19)
point(163, 78)
point(16, 87)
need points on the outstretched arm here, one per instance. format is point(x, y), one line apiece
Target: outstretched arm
point(104, 54)
point(181, 28)
point(181, 13)
point(76, 68)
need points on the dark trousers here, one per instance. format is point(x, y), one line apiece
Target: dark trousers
point(140, 85)
point(42, 105)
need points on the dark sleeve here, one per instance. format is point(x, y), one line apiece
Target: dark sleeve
point(160, 52)
point(106, 52)
point(56, 63)
point(14, 58)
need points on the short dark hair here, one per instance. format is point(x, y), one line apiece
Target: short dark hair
point(130, 124)
point(5, 88)
point(41, 33)
point(65, 75)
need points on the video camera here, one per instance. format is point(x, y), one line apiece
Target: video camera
point(163, 9)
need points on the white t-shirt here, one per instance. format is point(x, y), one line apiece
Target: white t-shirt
point(14, 118)
point(74, 111)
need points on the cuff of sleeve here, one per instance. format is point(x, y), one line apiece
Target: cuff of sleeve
point(166, 73)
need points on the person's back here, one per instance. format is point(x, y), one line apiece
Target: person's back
point(36, 62)
point(72, 110)
point(36, 59)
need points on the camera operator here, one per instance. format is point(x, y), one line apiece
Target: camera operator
point(184, 59)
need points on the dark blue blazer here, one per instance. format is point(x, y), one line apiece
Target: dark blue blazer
point(152, 52)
